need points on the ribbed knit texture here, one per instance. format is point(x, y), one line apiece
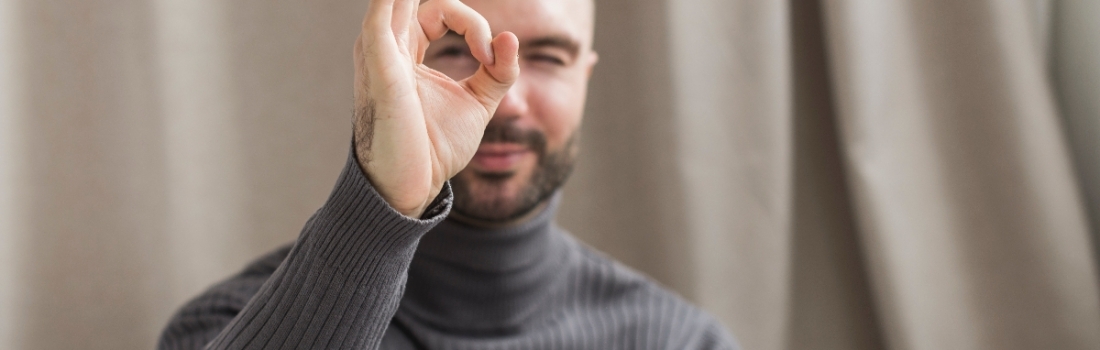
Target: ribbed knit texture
point(342, 285)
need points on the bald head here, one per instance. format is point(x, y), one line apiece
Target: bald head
point(572, 18)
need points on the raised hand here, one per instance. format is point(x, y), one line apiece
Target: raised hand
point(415, 127)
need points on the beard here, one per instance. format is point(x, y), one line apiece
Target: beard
point(482, 196)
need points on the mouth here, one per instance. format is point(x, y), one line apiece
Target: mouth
point(499, 157)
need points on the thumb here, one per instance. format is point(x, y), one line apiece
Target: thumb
point(491, 82)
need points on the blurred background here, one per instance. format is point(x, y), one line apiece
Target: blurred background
point(819, 174)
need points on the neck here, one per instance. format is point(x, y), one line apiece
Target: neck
point(496, 225)
point(469, 279)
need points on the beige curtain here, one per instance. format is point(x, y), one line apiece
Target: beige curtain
point(848, 174)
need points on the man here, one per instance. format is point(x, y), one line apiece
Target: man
point(378, 266)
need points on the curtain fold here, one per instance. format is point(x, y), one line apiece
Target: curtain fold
point(963, 187)
point(733, 127)
point(825, 174)
point(11, 157)
point(832, 306)
point(1073, 56)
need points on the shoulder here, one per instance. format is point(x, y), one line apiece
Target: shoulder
point(202, 318)
point(650, 312)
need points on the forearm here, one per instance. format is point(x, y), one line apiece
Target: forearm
point(342, 282)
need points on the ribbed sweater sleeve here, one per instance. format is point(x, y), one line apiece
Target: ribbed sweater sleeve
point(341, 283)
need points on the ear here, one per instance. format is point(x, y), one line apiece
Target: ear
point(590, 62)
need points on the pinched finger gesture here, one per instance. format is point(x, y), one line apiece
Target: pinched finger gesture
point(415, 127)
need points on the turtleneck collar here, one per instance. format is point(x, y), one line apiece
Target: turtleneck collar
point(470, 279)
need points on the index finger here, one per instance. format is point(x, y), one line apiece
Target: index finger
point(376, 26)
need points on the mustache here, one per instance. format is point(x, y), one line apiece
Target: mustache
point(508, 132)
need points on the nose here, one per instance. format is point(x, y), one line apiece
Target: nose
point(514, 103)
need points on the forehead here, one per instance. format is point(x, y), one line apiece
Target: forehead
point(530, 19)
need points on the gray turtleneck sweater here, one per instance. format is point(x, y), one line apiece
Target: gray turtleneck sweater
point(362, 276)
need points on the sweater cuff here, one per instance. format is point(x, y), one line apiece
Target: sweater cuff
point(356, 220)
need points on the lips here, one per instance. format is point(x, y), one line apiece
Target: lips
point(499, 157)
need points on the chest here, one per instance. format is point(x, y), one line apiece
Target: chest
point(606, 330)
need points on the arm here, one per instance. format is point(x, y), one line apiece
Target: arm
point(338, 287)
point(415, 128)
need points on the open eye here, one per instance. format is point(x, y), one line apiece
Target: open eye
point(453, 51)
point(452, 59)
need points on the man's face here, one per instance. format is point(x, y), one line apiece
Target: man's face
point(530, 144)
